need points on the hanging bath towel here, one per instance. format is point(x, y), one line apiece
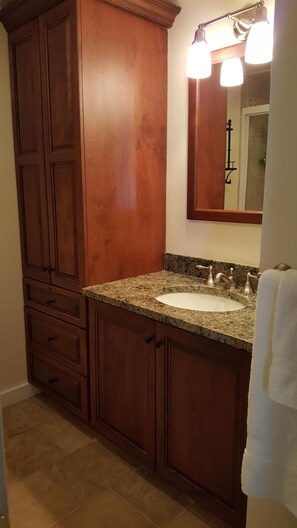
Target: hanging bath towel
point(269, 468)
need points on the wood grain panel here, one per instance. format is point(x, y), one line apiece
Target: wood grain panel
point(59, 75)
point(57, 339)
point(211, 155)
point(125, 166)
point(60, 90)
point(162, 12)
point(64, 220)
point(202, 389)
point(66, 305)
point(18, 12)
point(26, 94)
point(122, 366)
point(61, 383)
point(28, 143)
point(33, 209)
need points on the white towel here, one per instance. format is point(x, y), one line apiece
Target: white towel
point(269, 468)
point(282, 386)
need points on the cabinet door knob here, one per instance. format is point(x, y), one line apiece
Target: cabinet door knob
point(50, 338)
point(158, 344)
point(50, 301)
point(52, 380)
point(48, 269)
point(148, 339)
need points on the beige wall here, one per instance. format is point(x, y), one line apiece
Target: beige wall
point(280, 210)
point(223, 241)
point(280, 196)
point(12, 339)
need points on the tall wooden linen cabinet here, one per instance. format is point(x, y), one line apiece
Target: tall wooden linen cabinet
point(89, 91)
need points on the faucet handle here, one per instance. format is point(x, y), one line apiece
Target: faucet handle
point(231, 277)
point(247, 289)
point(209, 280)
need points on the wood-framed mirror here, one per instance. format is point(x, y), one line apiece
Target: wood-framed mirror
point(215, 145)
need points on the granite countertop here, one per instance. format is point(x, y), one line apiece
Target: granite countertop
point(137, 294)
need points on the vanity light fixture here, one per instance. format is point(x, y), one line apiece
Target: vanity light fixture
point(259, 43)
point(256, 30)
point(199, 58)
point(231, 72)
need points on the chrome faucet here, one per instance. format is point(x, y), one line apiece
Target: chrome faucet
point(229, 282)
point(209, 279)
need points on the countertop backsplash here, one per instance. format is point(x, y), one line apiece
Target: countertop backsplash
point(187, 266)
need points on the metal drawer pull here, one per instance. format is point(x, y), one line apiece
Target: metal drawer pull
point(50, 338)
point(148, 339)
point(50, 301)
point(53, 380)
point(48, 269)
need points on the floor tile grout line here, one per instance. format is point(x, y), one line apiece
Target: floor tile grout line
point(132, 506)
point(100, 440)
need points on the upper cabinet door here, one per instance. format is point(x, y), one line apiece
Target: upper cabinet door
point(28, 138)
point(59, 74)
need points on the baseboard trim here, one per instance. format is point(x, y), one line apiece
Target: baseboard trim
point(17, 394)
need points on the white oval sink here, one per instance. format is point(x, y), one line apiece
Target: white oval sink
point(200, 301)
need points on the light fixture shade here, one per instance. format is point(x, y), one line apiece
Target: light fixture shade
point(259, 43)
point(231, 72)
point(199, 58)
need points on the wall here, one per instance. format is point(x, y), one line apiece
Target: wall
point(280, 211)
point(280, 219)
point(215, 240)
point(13, 376)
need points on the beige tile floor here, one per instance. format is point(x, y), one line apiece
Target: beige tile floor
point(62, 474)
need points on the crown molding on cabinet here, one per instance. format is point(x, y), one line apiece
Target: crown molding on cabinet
point(17, 12)
point(162, 12)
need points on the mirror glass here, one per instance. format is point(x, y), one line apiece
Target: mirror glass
point(227, 143)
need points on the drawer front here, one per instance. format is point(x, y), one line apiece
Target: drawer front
point(60, 382)
point(61, 341)
point(66, 305)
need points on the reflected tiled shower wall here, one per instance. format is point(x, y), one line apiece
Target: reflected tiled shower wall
point(258, 127)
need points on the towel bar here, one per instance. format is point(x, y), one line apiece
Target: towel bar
point(282, 266)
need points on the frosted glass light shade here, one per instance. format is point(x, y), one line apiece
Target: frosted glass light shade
point(259, 43)
point(231, 72)
point(199, 59)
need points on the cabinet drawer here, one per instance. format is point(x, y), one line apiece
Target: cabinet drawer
point(57, 339)
point(60, 382)
point(66, 305)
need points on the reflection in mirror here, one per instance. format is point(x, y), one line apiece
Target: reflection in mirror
point(227, 143)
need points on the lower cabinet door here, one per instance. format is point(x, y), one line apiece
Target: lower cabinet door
point(122, 377)
point(61, 383)
point(202, 388)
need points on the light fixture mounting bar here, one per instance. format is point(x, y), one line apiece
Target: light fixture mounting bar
point(231, 14)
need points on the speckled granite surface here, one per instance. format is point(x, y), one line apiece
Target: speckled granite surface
point(137, 294)
point(187, 266)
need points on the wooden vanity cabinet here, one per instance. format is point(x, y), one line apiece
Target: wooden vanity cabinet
point(175, 400)
point(122, 376)
point(89, 92)
point(201, 412)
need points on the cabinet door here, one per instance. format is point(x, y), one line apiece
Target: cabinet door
point(29, 158)
point(122, 367)
point(59, 74)
point(202, 390)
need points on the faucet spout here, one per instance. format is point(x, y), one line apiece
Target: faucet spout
point(229, 282)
